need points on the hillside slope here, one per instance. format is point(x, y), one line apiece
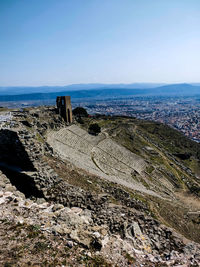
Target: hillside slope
point(127, 196)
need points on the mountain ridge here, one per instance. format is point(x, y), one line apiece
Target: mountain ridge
point(13, 90)
point(166, 90)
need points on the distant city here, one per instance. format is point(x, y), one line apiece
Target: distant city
point(181, 113)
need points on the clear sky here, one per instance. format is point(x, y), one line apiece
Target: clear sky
point(60, 42)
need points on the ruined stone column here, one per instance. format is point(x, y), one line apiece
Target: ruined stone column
point(64, 107)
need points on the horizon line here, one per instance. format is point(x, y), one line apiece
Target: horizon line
point(163, 83)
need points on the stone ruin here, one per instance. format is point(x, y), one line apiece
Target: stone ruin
point(64, 107)
point(87, 218)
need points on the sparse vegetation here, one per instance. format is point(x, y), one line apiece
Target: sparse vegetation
point(130, 259)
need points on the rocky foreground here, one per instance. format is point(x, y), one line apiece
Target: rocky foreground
point(48, 221)
point(40, 233)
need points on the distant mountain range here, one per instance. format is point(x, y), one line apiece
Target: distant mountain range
point(100, 91)
point(16, 90)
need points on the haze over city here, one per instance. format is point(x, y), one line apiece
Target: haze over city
point(64, 42)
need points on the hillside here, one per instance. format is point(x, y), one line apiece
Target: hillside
point(130, 195)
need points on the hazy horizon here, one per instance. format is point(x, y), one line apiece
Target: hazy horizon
point(59, 43)
point(101, 83)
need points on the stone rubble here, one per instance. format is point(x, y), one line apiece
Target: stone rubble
point(89, 219)
point(112, 232)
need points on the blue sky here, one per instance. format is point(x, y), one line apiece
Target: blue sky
point(60, 42)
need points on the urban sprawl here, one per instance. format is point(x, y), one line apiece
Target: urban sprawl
point(181, 113)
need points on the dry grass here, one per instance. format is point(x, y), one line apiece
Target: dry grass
point(174, 215)
point(23, 245)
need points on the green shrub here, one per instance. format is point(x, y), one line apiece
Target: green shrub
point(80, 112)
point(94, 129)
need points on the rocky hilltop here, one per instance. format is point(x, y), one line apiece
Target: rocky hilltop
point(129, 196)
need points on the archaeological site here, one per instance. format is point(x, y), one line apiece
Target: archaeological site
point(124, 197)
